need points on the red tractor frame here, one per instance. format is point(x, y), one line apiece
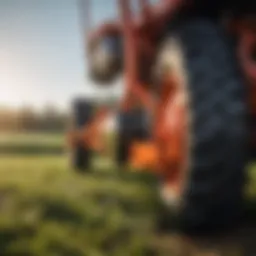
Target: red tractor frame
point(168, 153)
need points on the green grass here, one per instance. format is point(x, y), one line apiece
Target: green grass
point(28, 144)
point(46, 209)
point(24, 138)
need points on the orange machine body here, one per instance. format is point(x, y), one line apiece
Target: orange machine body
point(167, 149)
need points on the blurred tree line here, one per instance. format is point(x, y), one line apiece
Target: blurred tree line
point(50, 119)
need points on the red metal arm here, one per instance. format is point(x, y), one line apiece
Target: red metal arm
point(158, 14)
point(151, 14)
point(155, 16)
point(130, 28)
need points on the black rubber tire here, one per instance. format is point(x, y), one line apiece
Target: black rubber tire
point(80, 155)
point(213, 195)
point(124, 143)
point(122, 149)
point(132, 127)
point(81, 158)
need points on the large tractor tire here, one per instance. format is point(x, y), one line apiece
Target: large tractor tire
point(202, 53)
point(81, 155)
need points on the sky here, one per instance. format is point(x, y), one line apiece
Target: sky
point(41, 52)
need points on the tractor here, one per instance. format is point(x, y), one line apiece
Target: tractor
point(192, 66)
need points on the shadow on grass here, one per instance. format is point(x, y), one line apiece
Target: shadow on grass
point(61, 211)
point(123, 175)
point(237, 239)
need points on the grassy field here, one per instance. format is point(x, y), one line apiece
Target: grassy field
point(31, 144)
point(46, 209)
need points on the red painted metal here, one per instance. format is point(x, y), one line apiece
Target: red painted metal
point(247, 46)
point(157, 16)
point(139, 33)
